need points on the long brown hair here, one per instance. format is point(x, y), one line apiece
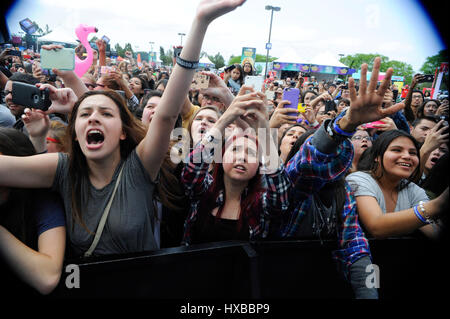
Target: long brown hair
point(78, 168)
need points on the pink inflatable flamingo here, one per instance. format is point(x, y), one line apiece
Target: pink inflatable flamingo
point(81, 66)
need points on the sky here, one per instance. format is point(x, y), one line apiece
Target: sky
point(301, 30)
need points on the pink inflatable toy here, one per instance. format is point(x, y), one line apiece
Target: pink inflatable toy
point(81, 66)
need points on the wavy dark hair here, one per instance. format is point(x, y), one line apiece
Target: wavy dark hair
point(78, 167)
point(19, 200)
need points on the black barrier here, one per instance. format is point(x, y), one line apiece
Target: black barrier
point(409, 267)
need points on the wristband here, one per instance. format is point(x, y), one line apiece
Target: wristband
point(339, 131)
point(423, 212)
point(191, 65)
point(420, 217)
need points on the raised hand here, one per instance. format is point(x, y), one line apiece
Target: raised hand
point(367, 105)
point(437, 136)
point(36, 122)
point(208, 10)
point(282, 115)
point(62, 99)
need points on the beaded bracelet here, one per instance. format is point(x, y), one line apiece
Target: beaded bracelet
point(419, 216)
point(423, 212)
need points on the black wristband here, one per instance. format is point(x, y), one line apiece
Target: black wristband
point(192, 65)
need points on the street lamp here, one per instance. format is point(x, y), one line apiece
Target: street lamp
point(151, 45)
point(181, 35)
point(268, 44)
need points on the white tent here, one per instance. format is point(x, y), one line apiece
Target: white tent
point(60, 35)
point(291, 56)
point(327, 58)
point(205, 61)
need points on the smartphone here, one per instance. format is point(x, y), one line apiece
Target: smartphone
point(15, 53)
point(426, 78)
point(330, 106)
point(301, 107)
point(105, 69)
point(106, 39)
point(373, 124)
point(229, 68)
point(292, 95)
point(30, 96)
point(62, 59)
point(177, 51)
point(254, 80)
point(200, 81)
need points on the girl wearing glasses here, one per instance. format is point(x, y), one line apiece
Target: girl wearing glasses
point(361, 141)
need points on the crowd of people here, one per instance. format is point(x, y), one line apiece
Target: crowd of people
point(129, 158)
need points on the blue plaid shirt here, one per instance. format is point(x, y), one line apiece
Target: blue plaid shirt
point(309, 170)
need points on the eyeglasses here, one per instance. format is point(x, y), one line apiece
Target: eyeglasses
point(360, 138)
point(6, 92)
point(100, 85)
point(91, 85)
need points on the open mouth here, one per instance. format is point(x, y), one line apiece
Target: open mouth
point(434, 160)
point(94, 138)
point(240, 168)
point(404, 165)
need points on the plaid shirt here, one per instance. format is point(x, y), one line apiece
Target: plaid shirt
point(309, 170)
point(197, 181)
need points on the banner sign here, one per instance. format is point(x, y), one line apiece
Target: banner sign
point(248, 54)
point(308, 68)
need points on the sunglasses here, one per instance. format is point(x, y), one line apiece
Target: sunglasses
point(89, 85)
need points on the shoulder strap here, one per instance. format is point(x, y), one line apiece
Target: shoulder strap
point(102, 222)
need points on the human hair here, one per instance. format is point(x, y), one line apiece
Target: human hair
point(18, 202)
point(110, 82)
point(58, 132)
point(438, 180)
point(286, 130)
point(379, 147)
point(417, 121)
point(144, 84)
point(252, 194)
point(421, 109)
point(304, 95)
point(418, 91)
point(191, 120)
point(161, 81)
point(346, 101)
point(123, 66)
point(78, 167)
point(298, 143)
point(241, 76)
point(144, 101)
point(23, 78)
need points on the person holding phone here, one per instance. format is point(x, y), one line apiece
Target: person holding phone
point(234, 78)
point(109, 150)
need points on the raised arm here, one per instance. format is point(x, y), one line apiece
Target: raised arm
point(153, 148)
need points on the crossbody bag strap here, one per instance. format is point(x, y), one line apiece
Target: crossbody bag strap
point(102, 222)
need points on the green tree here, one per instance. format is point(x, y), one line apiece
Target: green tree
point(400, 68)
point(165, 57)
point(218, 60)
point(120, 51)
point(433, 62)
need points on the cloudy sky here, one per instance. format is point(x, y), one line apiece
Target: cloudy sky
point(301, 30)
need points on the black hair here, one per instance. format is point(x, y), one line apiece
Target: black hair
point(421, 108)
point(19, 202)
point(378, 149)
point(24, 78)
point(298, 143)
point(438, 178)
point(309, 91)
point(417, 121)
point(286, 130)
point(418, 91)
point(163, 82)
point(145, 98)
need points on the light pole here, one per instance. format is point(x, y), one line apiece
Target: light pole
point(151, 45)
point(181, 35)
point(268, 44)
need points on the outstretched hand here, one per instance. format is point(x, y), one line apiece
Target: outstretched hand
point(208, 10)
point(366, 106)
